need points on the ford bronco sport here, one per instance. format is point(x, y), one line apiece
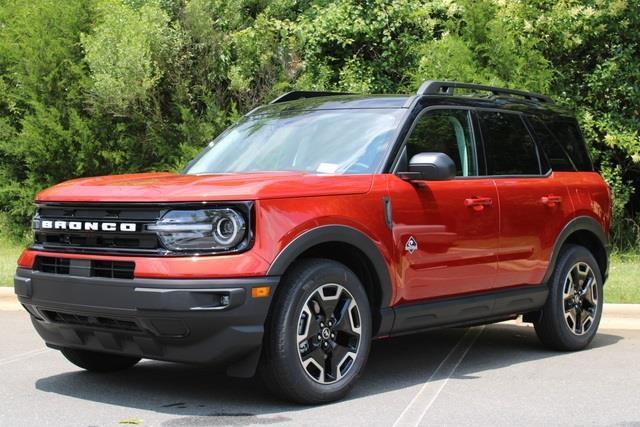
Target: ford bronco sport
point(320, 222)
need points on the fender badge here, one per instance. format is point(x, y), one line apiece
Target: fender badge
point(411, 245)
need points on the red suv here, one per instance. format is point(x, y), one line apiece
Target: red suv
point(320, 222)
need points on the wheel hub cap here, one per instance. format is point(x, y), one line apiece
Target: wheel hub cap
point(326, 333)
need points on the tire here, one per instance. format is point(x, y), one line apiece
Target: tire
point(569, 321)
point(94, 361)
point(320, 313)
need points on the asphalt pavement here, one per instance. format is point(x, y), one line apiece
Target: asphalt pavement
point(491, 375)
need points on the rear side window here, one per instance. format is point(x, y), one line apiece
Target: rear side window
point(556, 152)
point(510, 150)
point(568, 134)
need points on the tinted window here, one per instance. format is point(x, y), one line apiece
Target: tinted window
point(510, 149)
point(555, 151)
point(449, 132)
point(568, 134)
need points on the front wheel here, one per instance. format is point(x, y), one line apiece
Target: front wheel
point(318, 334)
point(571, 315)
point(98, 362)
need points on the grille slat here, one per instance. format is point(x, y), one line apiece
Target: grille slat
point(86, 268)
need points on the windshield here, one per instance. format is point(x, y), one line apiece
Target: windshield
point(321, 141)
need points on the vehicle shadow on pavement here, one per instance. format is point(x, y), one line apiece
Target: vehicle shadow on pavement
point(203, 395)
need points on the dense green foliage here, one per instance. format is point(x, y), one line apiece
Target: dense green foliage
point(91, 87)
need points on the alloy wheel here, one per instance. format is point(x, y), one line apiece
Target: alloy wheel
point(328, 333)
point(580, 298)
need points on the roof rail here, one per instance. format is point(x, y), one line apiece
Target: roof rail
point(436, 87)
point(300, 94)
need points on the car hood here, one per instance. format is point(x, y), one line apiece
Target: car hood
point(171, 187)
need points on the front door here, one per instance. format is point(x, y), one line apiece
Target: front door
point(445, 232)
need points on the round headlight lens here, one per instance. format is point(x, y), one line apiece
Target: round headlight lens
point(228, 228)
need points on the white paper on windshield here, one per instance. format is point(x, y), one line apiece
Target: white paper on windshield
point(327, 168)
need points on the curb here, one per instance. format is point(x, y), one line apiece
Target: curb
point(615, 316)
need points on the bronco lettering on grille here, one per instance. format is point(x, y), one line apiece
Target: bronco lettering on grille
point(88, 226)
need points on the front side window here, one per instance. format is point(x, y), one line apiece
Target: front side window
point(448, 132)
point(510, 150)
point(345, 141)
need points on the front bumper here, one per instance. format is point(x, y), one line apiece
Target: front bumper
point(192, 321)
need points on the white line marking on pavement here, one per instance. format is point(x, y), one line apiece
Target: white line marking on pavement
point(415, 411)
point(23, 356)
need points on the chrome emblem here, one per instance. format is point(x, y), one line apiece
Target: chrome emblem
point(411, 246)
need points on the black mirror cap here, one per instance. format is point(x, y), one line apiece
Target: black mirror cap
point(432, 167)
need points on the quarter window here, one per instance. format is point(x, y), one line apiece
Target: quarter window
point(509, 147)
point(448, 132)
point(555, 151)
point(569, 134)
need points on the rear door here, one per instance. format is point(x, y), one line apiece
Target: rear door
point(534, 203)
point(445, 232)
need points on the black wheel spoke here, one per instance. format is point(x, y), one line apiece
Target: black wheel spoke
point(575, 279)
point(342, 316)
point(334, 361)
point(568, 304)
point(316, 353)
point(579, 320)
point(348, 341)
point(329, 306)
point(586, 286)
point(314, 327)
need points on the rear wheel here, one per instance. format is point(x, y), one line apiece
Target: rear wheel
point(318, 334)
point(98, 362)
point(571, 315)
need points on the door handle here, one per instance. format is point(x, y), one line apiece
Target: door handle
point(478, 203)
point(551, 200)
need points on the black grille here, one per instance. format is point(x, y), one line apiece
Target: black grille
point(112, 269)
point(91, 321)
point(140, 241)
point(52, 265)
point(85, 268)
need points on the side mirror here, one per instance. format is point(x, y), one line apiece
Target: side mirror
point(431, 167)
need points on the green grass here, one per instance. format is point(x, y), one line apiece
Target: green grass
point(623, 285)
point(9, 253)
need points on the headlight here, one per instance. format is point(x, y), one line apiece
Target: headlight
point(220, 229)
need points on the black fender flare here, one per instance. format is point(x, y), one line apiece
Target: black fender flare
point(342, 234)
point(580, 223)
